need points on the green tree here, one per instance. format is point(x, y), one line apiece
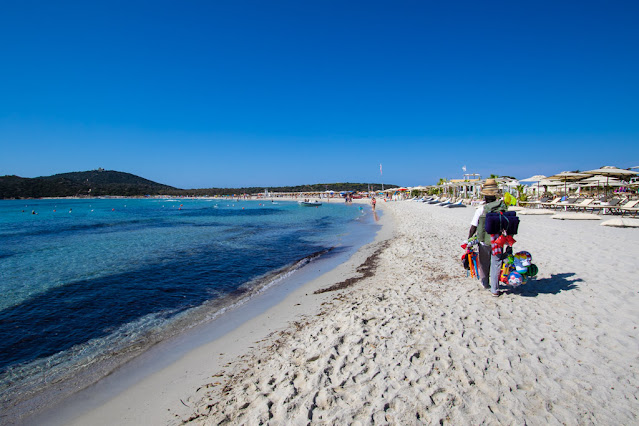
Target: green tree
point(521, 191)
point(439, 188)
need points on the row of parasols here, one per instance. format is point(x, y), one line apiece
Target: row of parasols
point(608, 176)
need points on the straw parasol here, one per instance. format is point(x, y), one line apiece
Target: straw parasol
point(611, 171)
point(536, 178)
point(569, 176)
point(600, 178)
point(614, 172)
point(614, 182)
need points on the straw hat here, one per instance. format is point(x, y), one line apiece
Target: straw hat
point(489, 188)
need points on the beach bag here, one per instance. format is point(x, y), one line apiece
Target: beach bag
point(513, 225)
point(497, 222)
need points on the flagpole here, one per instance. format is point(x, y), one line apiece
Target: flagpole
point(381, 176)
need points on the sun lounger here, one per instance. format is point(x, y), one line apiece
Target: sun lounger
point(566, 202)
point(446, 200)
point(447, 203)
point(551, 203)
point(629, 207)
point(534, 204)
point(634, 211)
point(606, 207)
point(460, 203)
point(580, 205)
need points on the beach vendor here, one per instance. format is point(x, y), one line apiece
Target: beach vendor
point(489, 255)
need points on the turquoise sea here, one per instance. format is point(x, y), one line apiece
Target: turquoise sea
point(88, 284)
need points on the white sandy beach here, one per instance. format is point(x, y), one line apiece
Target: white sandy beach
point(419, 342)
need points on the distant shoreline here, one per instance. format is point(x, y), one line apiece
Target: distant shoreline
point(111, 183)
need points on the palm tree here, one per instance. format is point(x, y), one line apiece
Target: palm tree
point(521, 191)
point(441, 182)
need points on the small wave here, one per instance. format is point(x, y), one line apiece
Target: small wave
point(58, 375)
point(247, 291)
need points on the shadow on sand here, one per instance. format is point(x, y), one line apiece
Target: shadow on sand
point(553, 285)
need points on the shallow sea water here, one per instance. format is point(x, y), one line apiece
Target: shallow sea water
point(88, 280)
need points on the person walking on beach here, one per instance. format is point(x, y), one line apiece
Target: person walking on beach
point(373, 202)
point(489, 255)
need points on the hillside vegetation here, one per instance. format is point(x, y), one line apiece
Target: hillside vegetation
point(98, 183)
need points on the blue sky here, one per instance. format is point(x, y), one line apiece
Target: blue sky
point(255, 93)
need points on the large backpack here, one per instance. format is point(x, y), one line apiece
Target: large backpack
point(496, 207)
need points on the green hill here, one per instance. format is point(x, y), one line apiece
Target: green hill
point(94, 183)
point(97, 183)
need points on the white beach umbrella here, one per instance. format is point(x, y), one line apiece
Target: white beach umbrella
point(536, 178)
point(600, 178)
point(611, 171)
point(569, 176)
point(614, 172)
point(614, 182)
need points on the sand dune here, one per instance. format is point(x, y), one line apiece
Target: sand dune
point(419, 342)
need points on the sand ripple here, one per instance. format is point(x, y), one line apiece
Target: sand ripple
point(419, 343)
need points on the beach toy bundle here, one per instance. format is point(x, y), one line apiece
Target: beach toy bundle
point(517, 269)
point(470, 259)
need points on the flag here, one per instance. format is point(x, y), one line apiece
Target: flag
point(380, 169)
point(464, 168)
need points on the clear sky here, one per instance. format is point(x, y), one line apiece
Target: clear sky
point(267, 93)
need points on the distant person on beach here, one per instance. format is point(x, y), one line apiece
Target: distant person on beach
point(373, 202)
point(489, 257)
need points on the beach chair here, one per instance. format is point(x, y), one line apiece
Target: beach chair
point(569, 202)
point(580, 204)
point(625, 203)
point(534, 204)
point(447, 203)
point(459, 203)
point(550, 204)
point(607, 207)
point(630, 207)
